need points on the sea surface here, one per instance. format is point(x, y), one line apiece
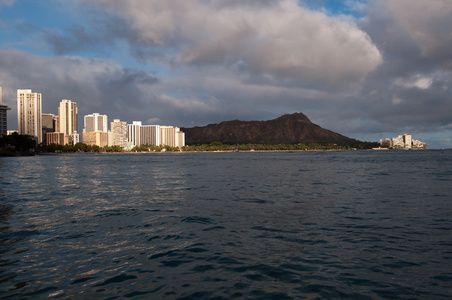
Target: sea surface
point(246, 225)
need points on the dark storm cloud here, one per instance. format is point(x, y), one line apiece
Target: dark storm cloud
point(411, 89)
point(389, 71)
point(96, 85)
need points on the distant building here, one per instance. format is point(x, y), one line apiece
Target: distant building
point(172, 136)
point(96, 130)
point(29, 110)
point(150, 135)
point(48, 126)
point(48, 122)
point(134, 133)
point(154, 135)
point(55, 138)
point(75, 137)
point(67, 119)
point(118, 133)
point(419, 145)
point(402, 142)
point(3, 116)
point(98, 138)
point(96, 122)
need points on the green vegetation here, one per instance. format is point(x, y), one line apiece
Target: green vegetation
point(79, 147)
point(150, 148)
point(16, 144)
point(217, 146)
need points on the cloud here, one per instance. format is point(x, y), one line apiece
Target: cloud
point(417, 81)
point(277, 38)
point(428, 23)
point(96, 85)
point(382, 68)
point(410, 89)
point(6, 3)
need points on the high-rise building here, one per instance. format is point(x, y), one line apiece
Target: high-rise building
point(402, 142)
point(96, 122)
point(119, 133)
point(133, 133)
point(98, 138)
point(172, 136)
point(48, 122)
point(408, 141)
point(150, 135)
point(48, 126)
point(29, 116)
point(75, 137)
point(3, 116)
point(67, 119)
point(180, 138)
point(55, 138)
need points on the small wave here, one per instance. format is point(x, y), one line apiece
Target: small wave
point(200, 220)
point(117, 279)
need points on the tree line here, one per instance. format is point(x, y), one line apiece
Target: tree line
point(24, 145)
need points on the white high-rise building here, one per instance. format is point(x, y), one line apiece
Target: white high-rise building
point(172, 136)
point(29, 110)
point(133, 133)
point(67, 117)
point(119, 133)
point(67, 120)
point(150, 135)
point(96, 122)
point(3, 116)
point(408, 141)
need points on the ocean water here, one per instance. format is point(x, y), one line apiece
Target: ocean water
point(247, 225)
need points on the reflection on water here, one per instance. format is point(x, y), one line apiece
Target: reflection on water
point(227, 225)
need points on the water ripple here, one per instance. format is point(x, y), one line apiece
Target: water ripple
point(302, 225)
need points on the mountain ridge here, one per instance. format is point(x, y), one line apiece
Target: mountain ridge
point(286, 129)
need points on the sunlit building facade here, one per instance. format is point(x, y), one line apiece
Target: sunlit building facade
point(29, 110)
point(134, 133)
point(118, 133)
point(402, 142)
point(98, 138)
point(96, 122)
point(67, 120)
point(172, 136)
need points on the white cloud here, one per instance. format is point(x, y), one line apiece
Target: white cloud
point(278, 38)
point(6, 3)
point(183, 104)
point(153, 121)
point(397, 100)
point(417, 81)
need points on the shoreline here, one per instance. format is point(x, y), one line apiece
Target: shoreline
point(229, 151)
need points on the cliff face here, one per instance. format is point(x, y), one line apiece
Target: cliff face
point(287, 129)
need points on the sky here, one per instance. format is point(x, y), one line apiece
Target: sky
point(367, 69)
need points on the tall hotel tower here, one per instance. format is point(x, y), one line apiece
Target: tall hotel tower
point(119, 133)
point(96, 130)
point(3, 116)
point(67, 119)
point(133, 133)
point(29, 109)
point(96, 122)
